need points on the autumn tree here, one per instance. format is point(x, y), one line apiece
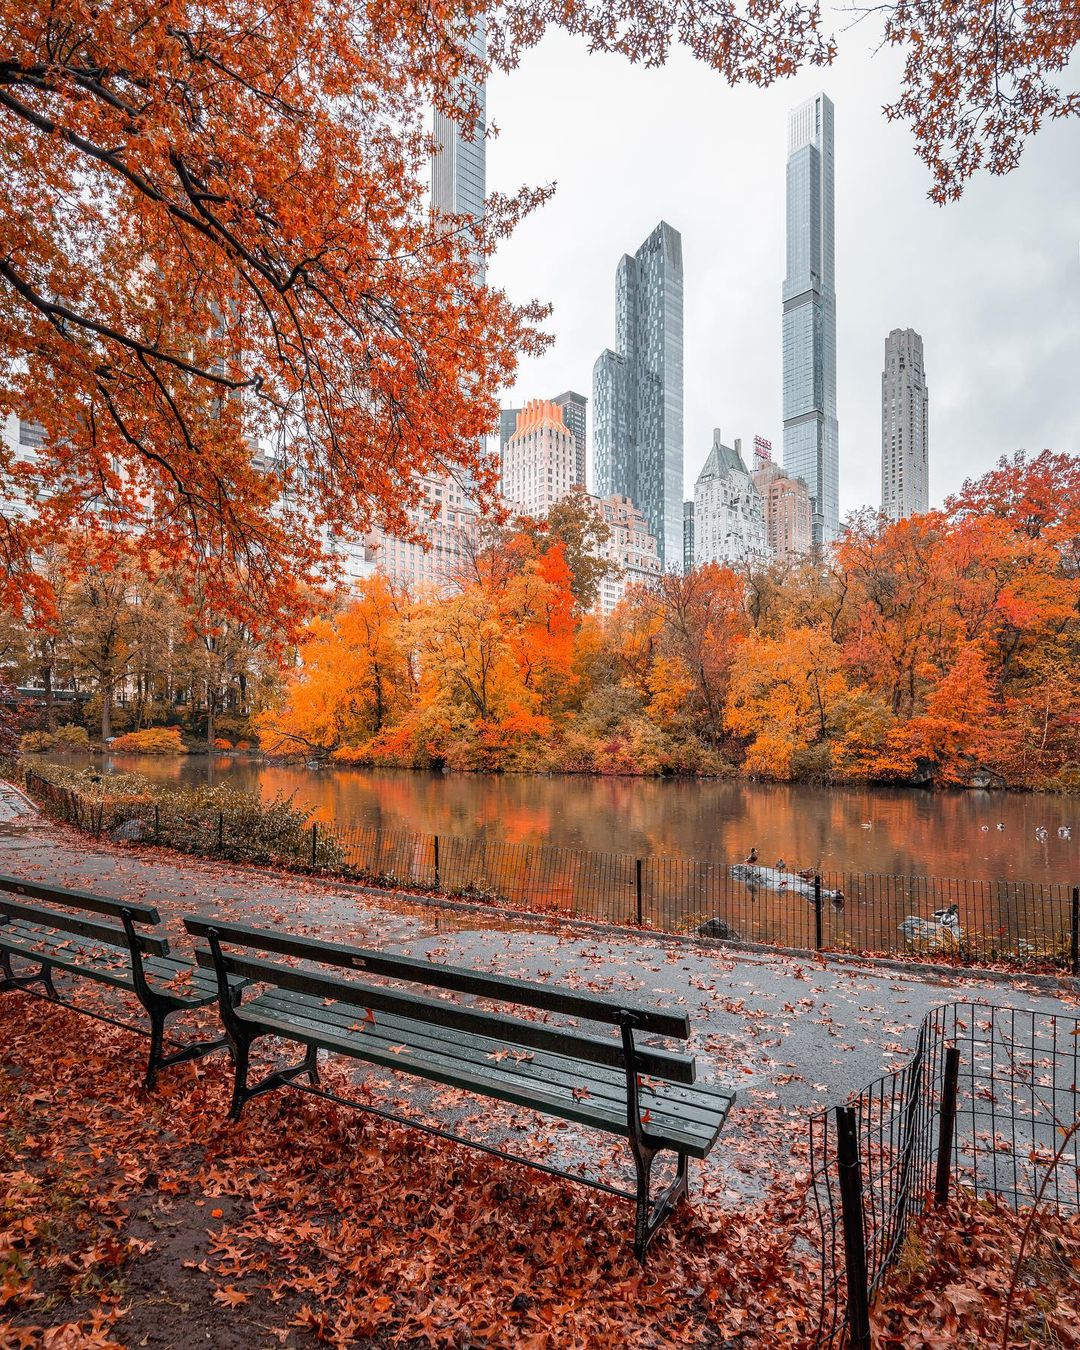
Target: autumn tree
point(575, 523)
point(953, 733)
point(693, 624)
point(352, 678)
point(892, 584)
point(214, 238)
point(215, 235)
point(980, 79)
point(785, 693)
point(98, 629)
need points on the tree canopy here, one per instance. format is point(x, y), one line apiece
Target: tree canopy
point(215, 236)
point(942, 648)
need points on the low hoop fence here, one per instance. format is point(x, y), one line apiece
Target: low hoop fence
point(989, 1100)
point(1012, 922)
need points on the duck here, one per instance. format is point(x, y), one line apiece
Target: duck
point(752, 856)
point(1064, 832)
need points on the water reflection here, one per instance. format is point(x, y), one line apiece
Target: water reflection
point(852, 829)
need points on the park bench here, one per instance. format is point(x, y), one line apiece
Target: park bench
point(618, 1085)
point(70, 936)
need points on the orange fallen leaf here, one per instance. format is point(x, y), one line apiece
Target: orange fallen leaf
point(230, 1296)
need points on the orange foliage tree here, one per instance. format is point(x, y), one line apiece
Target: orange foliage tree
point(954, 732)
point(494, 666)
point(784, 696)
point(214, 235)
point(979, 79)
point(352, 680)
point(944, 648)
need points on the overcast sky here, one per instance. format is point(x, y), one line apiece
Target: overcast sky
point(992, 282)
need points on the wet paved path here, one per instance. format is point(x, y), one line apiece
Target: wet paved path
point(790, 1034)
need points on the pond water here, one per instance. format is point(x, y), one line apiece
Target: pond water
point(970, 834)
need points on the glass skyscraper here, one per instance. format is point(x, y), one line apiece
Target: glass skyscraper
point(811, 433)
point(459, 164)
point(638, 392)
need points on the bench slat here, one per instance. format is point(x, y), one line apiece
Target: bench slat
point(71, 956)
point(62, 895)
point(113, 966)
point(662, 1063)
point(698, 1103)
point(194, 991)
point(69, 923)
point(695, 1142)
point(527, 993)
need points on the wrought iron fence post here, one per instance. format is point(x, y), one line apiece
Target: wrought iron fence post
point(220, 831)
point(907, 1141)
point(817, 910)
point(314, 842)
point(437, 887)
point(637, 886)
point(851, 1205)
point(1074, 932)
point(947, 1125)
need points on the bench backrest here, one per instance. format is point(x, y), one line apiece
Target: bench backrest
point(537, 1035)
point(72, 917)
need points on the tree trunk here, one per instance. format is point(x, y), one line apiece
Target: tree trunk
point(209, 716)
point(50, 702)
point(106, 711)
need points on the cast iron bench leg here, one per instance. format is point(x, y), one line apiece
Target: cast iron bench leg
point(651, 1214)
point(240, 1037)
point(242, 1094)
point(43, 975)
point(157, 1040)
point(158, 1011)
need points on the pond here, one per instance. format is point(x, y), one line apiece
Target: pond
point(970, 834)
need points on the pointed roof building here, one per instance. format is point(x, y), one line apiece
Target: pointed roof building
point(729, 514)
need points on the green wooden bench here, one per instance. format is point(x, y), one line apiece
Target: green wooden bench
point(70, 936)
point(618, 1085)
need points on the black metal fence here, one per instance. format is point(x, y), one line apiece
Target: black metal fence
point(990, 1099)
point(1013, 922)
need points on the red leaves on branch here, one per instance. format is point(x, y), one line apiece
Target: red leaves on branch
point(979, 79)
point(215, 240)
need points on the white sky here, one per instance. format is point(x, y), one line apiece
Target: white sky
point(992, 282)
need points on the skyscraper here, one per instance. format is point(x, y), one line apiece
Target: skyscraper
point(905, 403)
point(459, 182)
point(573, 406)
point(507, 426)
point(540, 459)
point(574, 415)
point(459, 164)
point(638, 391)
point(811, 434)
point(447, 513)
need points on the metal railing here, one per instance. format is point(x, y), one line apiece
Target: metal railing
point(1013, 922)
point(990, 1099)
